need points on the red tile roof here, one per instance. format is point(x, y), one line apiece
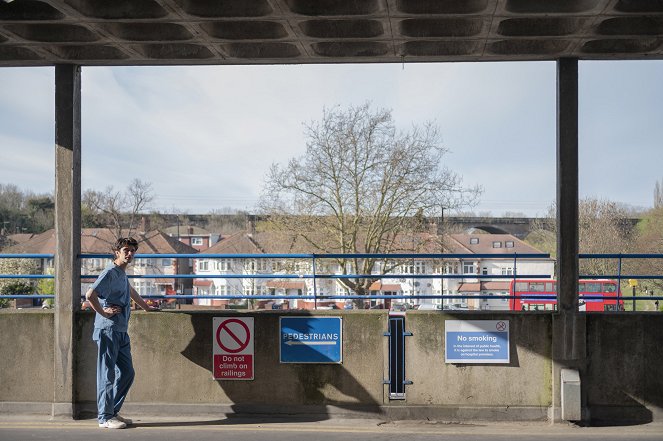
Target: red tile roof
point(285, 284)
point(469, 287)
point(100, 240)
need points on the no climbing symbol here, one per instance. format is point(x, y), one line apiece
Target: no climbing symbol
point(233, 335)
point(233, 348)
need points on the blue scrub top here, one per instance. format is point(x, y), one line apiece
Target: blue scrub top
point(112, 288)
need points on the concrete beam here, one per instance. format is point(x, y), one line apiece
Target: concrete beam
point(67, 233)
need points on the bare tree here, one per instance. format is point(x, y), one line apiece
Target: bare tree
point(362, 187)
point(117, 210)
point(603, 228)
point(658, 194)
point(650, 240)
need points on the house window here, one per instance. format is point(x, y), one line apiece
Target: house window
point(166, 262)
point(507, 271)
point(414, 268)
point(262, 264)
point(223, 265)
point(474, 240)
point(302, 267)
point(468, 268)
point(196, 241)
point(508, 244)
point(203, 265)
point(497, 244)
point(484, 271)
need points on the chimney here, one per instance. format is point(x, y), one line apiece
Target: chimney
point(189, 230)
point(144, 224)
point(251, 224)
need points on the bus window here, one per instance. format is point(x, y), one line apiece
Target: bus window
point(609, 287)
point(521, 286)
point(550, 287)
point(593, 287)
point(537, 287)
point(581, 287)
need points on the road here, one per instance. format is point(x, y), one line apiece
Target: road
point(204, 429)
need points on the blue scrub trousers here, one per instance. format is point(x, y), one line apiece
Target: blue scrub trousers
point(115, 371)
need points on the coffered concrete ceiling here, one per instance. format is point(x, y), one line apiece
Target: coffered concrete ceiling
point(191, 32)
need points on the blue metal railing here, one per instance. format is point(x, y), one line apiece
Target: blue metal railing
point(315, 258)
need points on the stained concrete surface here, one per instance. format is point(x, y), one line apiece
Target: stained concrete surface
point(258, 429)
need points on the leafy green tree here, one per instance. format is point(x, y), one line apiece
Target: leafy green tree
point(47, 286)
point(17, 266)
point(14, 287)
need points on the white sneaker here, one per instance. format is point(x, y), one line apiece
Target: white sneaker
point(123, 419)
point(113, 423)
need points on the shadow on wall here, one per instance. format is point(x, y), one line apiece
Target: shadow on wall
point(298, 392)
point(624, 361)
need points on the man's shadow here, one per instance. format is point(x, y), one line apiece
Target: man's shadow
point(294, 392)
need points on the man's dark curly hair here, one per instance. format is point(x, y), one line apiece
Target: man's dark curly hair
point(125, 242)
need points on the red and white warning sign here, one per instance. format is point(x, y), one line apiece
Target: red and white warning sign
point(233, 348)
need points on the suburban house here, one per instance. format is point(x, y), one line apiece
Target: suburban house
point(195, 237)
point(469, 275)
point(100, 241)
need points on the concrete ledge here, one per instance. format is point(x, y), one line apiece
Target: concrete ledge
point(461, 414)
point(621, 415)
point(601, 415)
point(321, 413)
point(25, 408)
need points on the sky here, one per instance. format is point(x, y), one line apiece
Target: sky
point(205, 136)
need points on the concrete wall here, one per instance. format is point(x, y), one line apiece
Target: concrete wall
point(26, 356)
point(625, 365)
point(173, 359)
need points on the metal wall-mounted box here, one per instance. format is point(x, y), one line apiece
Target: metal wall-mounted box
point(571, 400)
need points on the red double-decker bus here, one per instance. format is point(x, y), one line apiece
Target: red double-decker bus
point(541, 295)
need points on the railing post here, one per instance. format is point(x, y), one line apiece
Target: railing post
point(67, 234)
point(315, 278)
point(619, 279)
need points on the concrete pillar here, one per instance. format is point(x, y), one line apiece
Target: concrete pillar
point(569, 350)
point(567, 185)
point(67, 233)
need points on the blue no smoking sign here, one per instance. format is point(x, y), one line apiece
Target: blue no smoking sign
point(476, 341)
point(311, 339)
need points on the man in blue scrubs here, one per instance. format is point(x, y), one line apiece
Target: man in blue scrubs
point(110, 296)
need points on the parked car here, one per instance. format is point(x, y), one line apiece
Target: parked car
point(429, 307)
point(398, 307)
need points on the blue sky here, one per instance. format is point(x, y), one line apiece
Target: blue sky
point(205, 136)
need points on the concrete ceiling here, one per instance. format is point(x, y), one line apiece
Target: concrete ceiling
point(161, 32)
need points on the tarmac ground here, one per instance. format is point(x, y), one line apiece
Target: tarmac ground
point(204, 428)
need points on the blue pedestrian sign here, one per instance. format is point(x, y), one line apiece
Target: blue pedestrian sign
point(311, 339)
point(476, 341)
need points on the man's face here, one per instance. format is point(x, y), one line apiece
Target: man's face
point(125, 255)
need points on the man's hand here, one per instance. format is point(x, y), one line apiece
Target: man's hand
point(111, 310)
point(140, 301)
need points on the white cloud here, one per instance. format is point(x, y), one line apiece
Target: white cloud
point(206, 135)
